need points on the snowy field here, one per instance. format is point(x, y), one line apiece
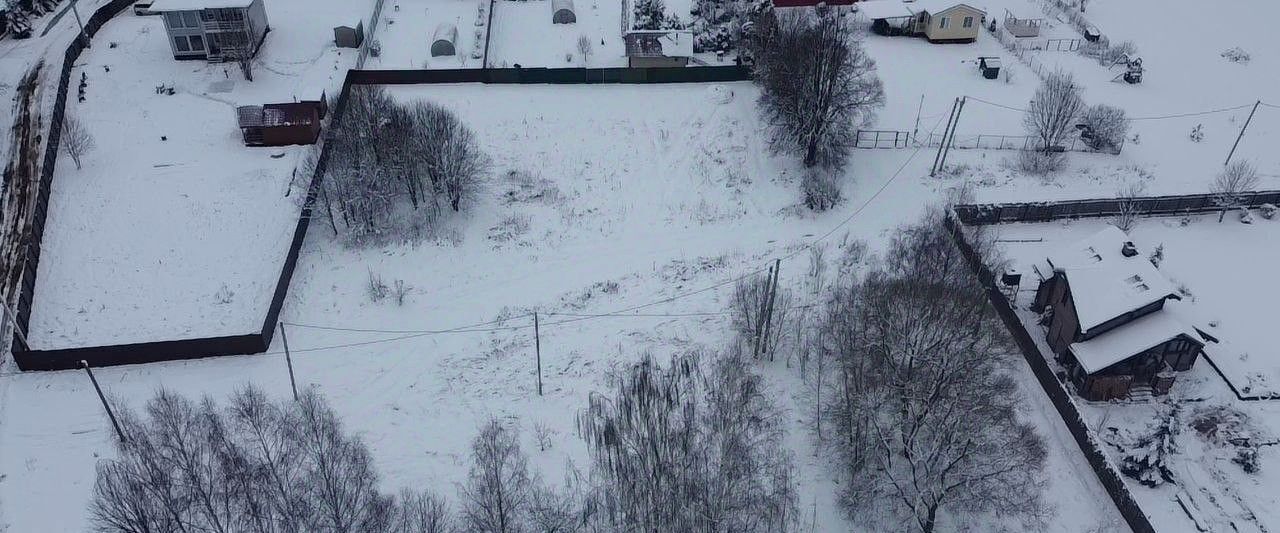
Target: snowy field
point(407, 29)
point(1225, 270)
point(602, 198)
point(524, 34)
point(173, 229)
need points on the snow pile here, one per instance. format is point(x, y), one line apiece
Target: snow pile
point(719, 94)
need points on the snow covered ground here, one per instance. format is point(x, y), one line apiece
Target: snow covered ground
point(407, 28)
point(1225, 271)
point(173, 229)
point(524, 34)
point(603, 198)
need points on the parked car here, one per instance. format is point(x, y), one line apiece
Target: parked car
point(143, 8)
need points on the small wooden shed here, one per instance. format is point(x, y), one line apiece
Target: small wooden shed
point(443, 42)
point(280, 124)
point(562, 12)
point(348, 37)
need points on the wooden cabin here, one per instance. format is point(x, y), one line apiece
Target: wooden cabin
point(1107, 320)
point(281, 124)
point(939, 21)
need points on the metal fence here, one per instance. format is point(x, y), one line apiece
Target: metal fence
point(979, 214)
point(1090, 446)
point(881, 139)
point(986, 141)
point(699, 74)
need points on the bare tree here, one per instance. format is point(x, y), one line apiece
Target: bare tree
point(1054, 110)
point(422, 512)
point(1130, 207)
point(585, 48)
point(76, 139)
point(680, 449)
point(496, 496)
point(818, 86)
point(820, 189)
point(238, 46)
point(925, 411)
point(254, 466)
point(451, 156)
point(1107, 127)
point(1231, 185)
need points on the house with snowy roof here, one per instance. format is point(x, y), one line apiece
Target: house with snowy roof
point(1104, 303)
point(214, 30)
point(939, 21)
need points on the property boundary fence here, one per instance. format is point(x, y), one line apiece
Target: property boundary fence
point(982, 214)
point(986, 141)
point(259, 341)
point(1089, 445)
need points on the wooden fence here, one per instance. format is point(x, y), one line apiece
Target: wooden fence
point(1089, 445)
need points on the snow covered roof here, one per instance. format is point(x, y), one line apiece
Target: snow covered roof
point(654, 43)
point(1104, 283)
point(888, 9)
point(1130, 339)
point(190, 5)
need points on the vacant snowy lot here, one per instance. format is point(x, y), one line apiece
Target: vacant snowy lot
point(603, 198)
point(173, 229)
point(407, 28)
point(524, 34)
point(1223, 269)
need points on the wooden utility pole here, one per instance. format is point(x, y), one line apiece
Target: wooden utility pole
point(954, 124)
point(537, 350)
point(757, 335)
point(936, 157)
point(288, 359)
point(84, 36)
point(13, 321)
point(1242, 128)
point(110, 414)
point(915, 133)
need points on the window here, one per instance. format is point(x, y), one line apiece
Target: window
point(174, 19)
point(189, 18)
point(180, 42)
point(968, 22)
point(197, 43)
point(942, 23)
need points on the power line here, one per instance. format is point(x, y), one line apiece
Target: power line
point(1154, 117)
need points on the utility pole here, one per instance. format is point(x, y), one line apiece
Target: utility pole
point(288, 359)
point(915, 133)
point(954, 124)
point(537, 350)
point(934, 169)
point(84, 36)
point(119, 433)
point(758, 335)
point(1242, 128)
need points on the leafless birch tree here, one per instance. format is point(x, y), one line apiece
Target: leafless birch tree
point(496, 496)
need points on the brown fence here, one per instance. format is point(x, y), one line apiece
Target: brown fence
point(1105, 207)
point(1107, 473)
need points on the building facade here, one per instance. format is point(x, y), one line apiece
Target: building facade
point(214, 30)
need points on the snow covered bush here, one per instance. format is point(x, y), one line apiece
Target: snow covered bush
point(694, 445)
point(252, 465)
point(818, 86)
point(1226, 426)
point(1232, 184)
point(1246, 216)
point(1107, 127)
point(1129, 207)
point(1040, 163)
point(1145, 453)
point(1268, 211)
point(1197, 133)
point(652, 15)
point(897, 398)
point(820, 189)
point(1236, 55)
point(584, 48)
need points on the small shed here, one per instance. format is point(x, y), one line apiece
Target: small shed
point(658, 48)
point(562, 12)
point(348, 37)
point(443, 42)
point(990, 67)
point(279, 124)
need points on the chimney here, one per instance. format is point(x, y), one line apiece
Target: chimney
point(1129, 250)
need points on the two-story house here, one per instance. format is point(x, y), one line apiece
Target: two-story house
point(1107, 321)
point(214, 30)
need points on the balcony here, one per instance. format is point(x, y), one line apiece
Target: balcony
point(223, 25)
